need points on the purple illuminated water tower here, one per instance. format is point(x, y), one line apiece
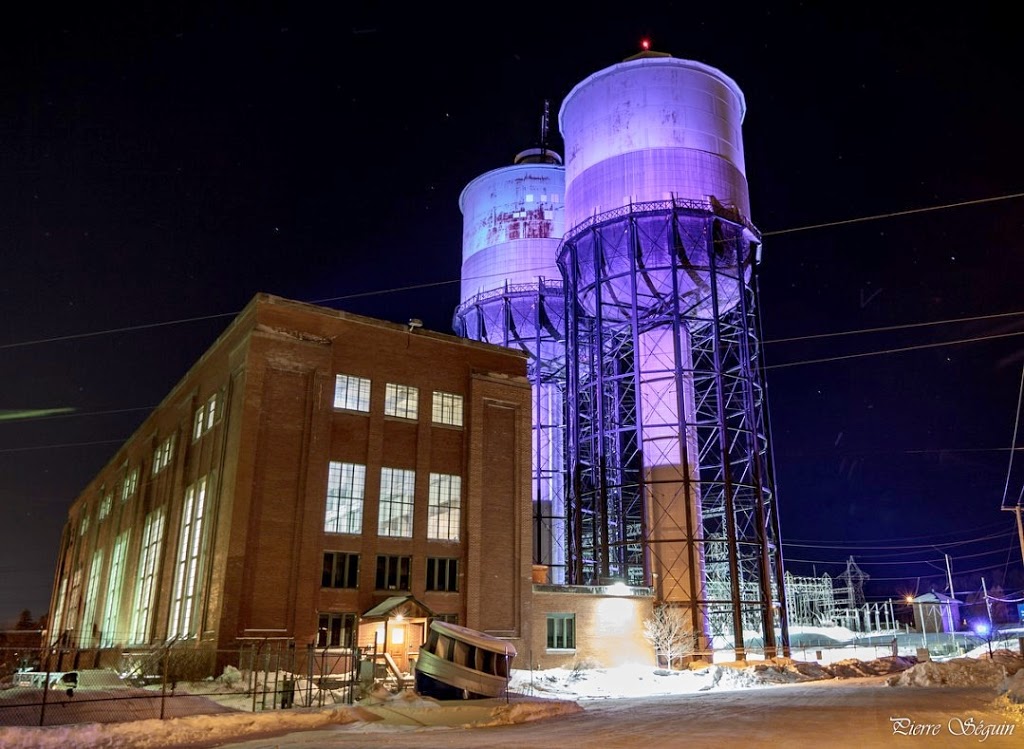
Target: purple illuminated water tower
point(628, 278)
point(513, 296)
point(667, 452)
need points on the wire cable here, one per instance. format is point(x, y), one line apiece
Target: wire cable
point(987, 526)
point(841, 547)
point(1013, 441)
point(433, 284)
point(899, 350)
point(904, 563)
point(63, 445)
point(892, 214)
point(890, 328)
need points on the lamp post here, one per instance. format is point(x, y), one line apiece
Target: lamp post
point(985, 630)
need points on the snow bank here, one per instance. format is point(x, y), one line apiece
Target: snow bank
point(994, 671)
point(523, 712)
point(852, 668)
point(959, 672)
point(156, 734)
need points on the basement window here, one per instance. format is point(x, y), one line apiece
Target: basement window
point(561, 631)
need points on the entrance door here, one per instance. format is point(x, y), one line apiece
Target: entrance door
point(398, 647)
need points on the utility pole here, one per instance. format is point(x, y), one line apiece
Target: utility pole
point(988, 604)
point(1020, 532)
point(949, 577)
point(924, 626)
point(1013, 447)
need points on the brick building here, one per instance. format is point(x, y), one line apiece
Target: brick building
point(314, 476)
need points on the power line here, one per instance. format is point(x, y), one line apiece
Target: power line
point(1013, 442)
point(867, 543)
point(898, 350)
point(148, 326)
point(904, 547)
point(76, 414)
point(905, 563)
point(892, 214)
point(937, 574)
point(55, 447)
point(860, 560)
point(889, 328)
point(909, 577)
point(433, 284)
point(111, 331)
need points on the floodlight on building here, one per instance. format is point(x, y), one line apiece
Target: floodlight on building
point(618, 589)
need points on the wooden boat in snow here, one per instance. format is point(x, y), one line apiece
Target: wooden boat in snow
point(458, 662)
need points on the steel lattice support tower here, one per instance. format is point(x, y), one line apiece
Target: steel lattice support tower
point(671, 484)
point(651, 456)
point(513, 296)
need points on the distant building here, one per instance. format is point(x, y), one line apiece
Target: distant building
point(326, 479)
point(935, 612)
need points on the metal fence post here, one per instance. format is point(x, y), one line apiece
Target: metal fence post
point(163, 684)
point(309, 674)
point(266, 677)
point(46, 690)
point(252, 673)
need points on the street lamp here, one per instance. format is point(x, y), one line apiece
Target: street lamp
point(983, 631)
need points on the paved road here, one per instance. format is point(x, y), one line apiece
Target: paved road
point(856, 713)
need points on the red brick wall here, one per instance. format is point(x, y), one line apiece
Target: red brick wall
point(266, 460)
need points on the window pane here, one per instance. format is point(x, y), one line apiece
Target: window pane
point(447, 409)
point(188, 562)
point(340, 570)
point(393, 573)
point(352, 393)
point(442, 574)
point(561, 631)
point(397, 487)
point(335, 630)
point(346, 483)
point(401, 401)
point(444, 507)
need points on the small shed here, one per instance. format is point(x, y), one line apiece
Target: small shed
point(394, 630)
point(935, 612)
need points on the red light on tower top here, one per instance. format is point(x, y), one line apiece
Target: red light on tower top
point(645, 44)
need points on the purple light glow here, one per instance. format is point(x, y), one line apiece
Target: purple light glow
point(512, 296)
point(513, 220)
point(651, 129)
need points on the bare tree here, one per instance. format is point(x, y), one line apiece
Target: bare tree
point(665, 629)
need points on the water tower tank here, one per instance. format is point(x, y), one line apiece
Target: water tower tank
point(513, 296)
point(513, 221)
point(650, 128)
point(653, 143)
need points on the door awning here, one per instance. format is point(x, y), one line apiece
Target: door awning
point(407, 606)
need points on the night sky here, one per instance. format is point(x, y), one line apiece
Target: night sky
point(160, 166)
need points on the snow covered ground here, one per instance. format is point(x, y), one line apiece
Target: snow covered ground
point(564, 693)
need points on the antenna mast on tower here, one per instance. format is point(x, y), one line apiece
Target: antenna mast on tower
point(544, 129)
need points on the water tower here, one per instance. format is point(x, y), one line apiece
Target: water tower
point(670, 480)
point(513, 296)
